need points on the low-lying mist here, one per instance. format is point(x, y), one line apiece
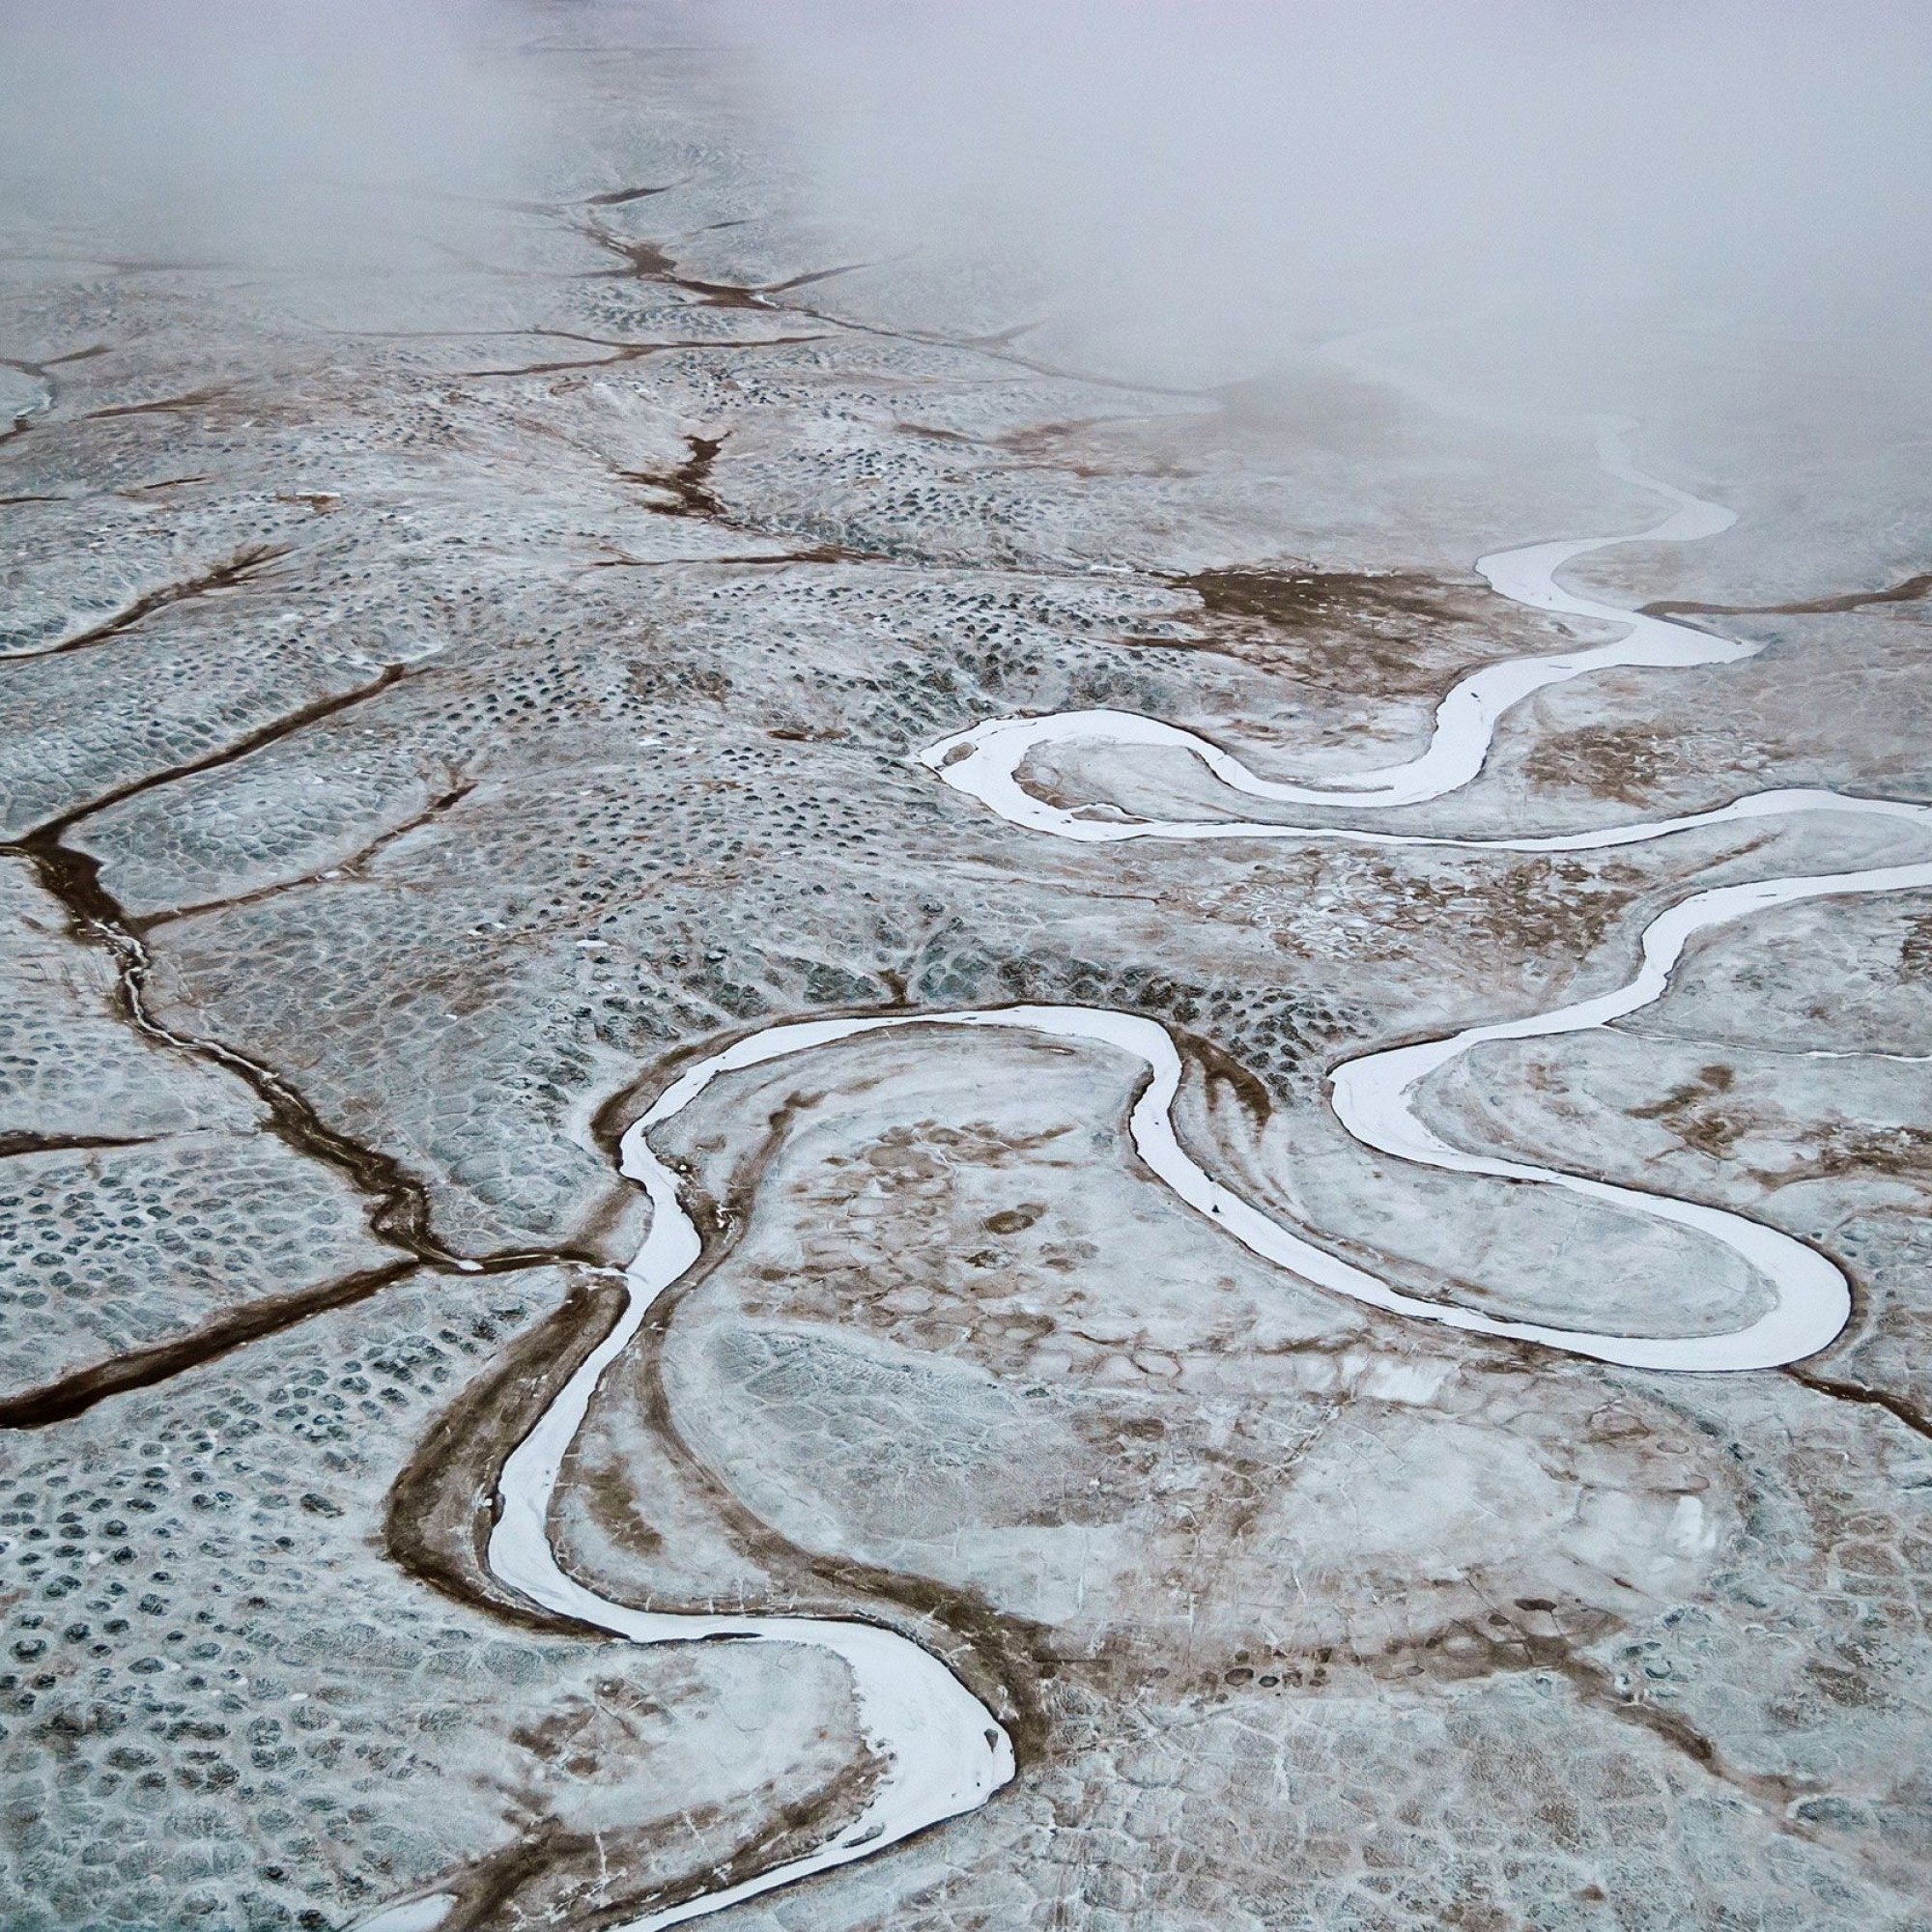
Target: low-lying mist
point(1184, 189)
point(1201, 187)
point(305, 135)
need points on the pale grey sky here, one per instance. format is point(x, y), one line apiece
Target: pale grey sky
point(1242, 169)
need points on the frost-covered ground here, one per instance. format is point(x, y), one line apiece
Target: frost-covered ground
point(437, 709)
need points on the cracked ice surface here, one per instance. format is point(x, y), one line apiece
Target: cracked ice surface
point(439, 717)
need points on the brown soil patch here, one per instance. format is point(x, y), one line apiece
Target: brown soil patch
point(1395, 633)
point(1615, 761)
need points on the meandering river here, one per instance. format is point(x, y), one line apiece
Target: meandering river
point(943, 1752)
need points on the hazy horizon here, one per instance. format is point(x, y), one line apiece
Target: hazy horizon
point(1210, 184)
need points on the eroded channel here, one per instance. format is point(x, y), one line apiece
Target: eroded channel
point(941, 1751)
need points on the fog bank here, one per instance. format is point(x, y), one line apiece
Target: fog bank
point(266, 133)
point(1207, 185)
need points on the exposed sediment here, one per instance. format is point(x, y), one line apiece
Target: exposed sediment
point(1293, 1521)
point(1811, 1298)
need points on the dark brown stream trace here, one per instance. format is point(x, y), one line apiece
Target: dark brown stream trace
point(1910, 591)
point(398, 1213)
point(223, 576)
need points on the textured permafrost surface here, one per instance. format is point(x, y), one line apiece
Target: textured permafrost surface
point(224, 1704)
point(427, 711)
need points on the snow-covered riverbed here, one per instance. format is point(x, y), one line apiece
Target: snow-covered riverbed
point(941, 1751)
